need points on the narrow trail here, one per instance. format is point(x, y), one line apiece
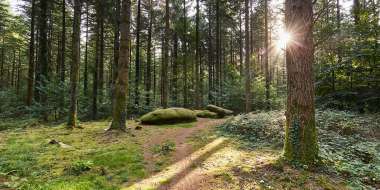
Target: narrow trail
point(183, 158)
point(177, 135)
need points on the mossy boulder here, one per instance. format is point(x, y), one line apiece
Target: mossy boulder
point(206, 114)
point(169, 116)
point(220, 111)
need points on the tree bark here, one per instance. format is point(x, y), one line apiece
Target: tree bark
point(63, 58)
point(210, 58)
point(119, 113)
point(95, 82)
point(18, 80)
point(165, 62)
point(85, 74)
point(175, 70)
point(185, 80)
point(247, 60)
point(43, 57)
point(74, 71)
point(266, 56)
point(137, 61)
point(198, 95)
point(2, 66)
point(240, 43)
point(31, 68)
point(301, 133)
point(218, 55)
point(101, 50)
point(149, 55)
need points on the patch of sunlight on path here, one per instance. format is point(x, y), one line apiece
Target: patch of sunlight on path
point(221, 160)
point(176, 169)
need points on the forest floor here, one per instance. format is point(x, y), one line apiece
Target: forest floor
point(243, 152)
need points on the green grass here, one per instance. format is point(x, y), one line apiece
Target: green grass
point(95, 161)
point(19, 123)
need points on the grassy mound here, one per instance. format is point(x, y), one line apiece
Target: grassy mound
point(264, 127)
point(206, 114)
point(220, 111)
point(169, 116)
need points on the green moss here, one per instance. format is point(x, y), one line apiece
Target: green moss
point(220, 111)
point(169, 116)
point(301, 144)
point(206, 114)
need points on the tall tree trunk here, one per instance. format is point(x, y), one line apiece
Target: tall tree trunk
point(154, 78)
point(74, 71)
point(101, 52)
point(198, 95)
point(116, 47)
point(148, 77)
point(266, 57)
point(43, 57)
point(95, 82)
point(137, 61)
point(13, 69)
point(247, 60)
point(2, 66)
point(218, 54)
point(339, 50)
point(119, 113)
point(175, 70)
point(210, 57)
point(31, 68)
point(18, 73)
point(241, 42)
point(165, 62)
point(85, 74)
point(185, 80)
point(301, 134)
point(62, 55)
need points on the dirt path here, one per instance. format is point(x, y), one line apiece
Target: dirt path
point(177, 135)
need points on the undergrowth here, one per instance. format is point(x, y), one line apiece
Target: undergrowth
point(349, 143)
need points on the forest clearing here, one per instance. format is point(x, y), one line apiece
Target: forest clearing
point(189, 94)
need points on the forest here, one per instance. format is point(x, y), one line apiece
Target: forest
point(189, 94)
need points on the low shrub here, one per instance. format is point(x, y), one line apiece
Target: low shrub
point(79, 167)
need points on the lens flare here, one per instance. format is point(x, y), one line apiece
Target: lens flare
point(283, 39)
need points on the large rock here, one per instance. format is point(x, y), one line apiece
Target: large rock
point(169, 116)
point(220, 111)
point(206, 114)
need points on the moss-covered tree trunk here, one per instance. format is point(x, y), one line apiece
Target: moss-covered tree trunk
point(119, 113)
point(301, 134)
point(74, 70)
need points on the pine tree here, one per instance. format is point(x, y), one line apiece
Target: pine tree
point(301, 133)
point(74, 71)
point(119, 112)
